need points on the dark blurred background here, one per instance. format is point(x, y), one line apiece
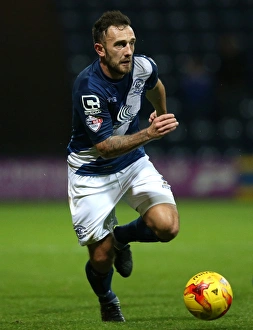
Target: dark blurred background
point(35, 93)
point(203, 48)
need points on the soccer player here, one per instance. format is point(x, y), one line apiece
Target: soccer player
point(107, 161)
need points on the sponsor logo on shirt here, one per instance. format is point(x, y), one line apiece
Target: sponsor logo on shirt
point(91, 104)
point(126, 113)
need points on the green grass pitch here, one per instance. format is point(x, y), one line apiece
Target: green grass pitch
point(43, 286)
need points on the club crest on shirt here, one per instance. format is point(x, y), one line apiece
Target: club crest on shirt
point(94, 123)
point(138, 85)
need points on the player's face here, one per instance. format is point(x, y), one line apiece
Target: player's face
point(117, 51)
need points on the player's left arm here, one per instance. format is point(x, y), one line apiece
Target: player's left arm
point(157, 97)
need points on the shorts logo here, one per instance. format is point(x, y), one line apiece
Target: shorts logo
point(91, 104)
point(165, 184)
point(80, 231)
point(94, 123)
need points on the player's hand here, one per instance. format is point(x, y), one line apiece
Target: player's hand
point(152, 116)
point(162, 125)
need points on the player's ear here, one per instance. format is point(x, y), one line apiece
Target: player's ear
point(99, 48)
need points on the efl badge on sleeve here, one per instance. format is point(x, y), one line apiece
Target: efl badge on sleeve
point(94, 123)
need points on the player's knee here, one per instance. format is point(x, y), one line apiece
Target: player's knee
point(168, 235)
point(102, 263)
point(163, 219)
point(102, 255)
point(102, 259)
point(169, 229)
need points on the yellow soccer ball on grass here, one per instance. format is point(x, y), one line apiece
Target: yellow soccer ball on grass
point(208, 295)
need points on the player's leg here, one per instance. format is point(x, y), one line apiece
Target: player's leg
point(93, 217)
point(99, 268)
point(99, 271)
point(163, 220)
point(151, 196)
point(159, 223)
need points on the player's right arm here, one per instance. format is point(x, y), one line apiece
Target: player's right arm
point(118, 145)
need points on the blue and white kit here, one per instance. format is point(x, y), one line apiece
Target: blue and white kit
point(103, 107)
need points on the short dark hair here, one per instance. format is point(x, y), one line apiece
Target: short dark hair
point(109, 18)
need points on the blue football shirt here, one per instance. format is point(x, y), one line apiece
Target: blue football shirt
point(103, 107)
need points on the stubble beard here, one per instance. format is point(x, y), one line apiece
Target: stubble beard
point(116, 68)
